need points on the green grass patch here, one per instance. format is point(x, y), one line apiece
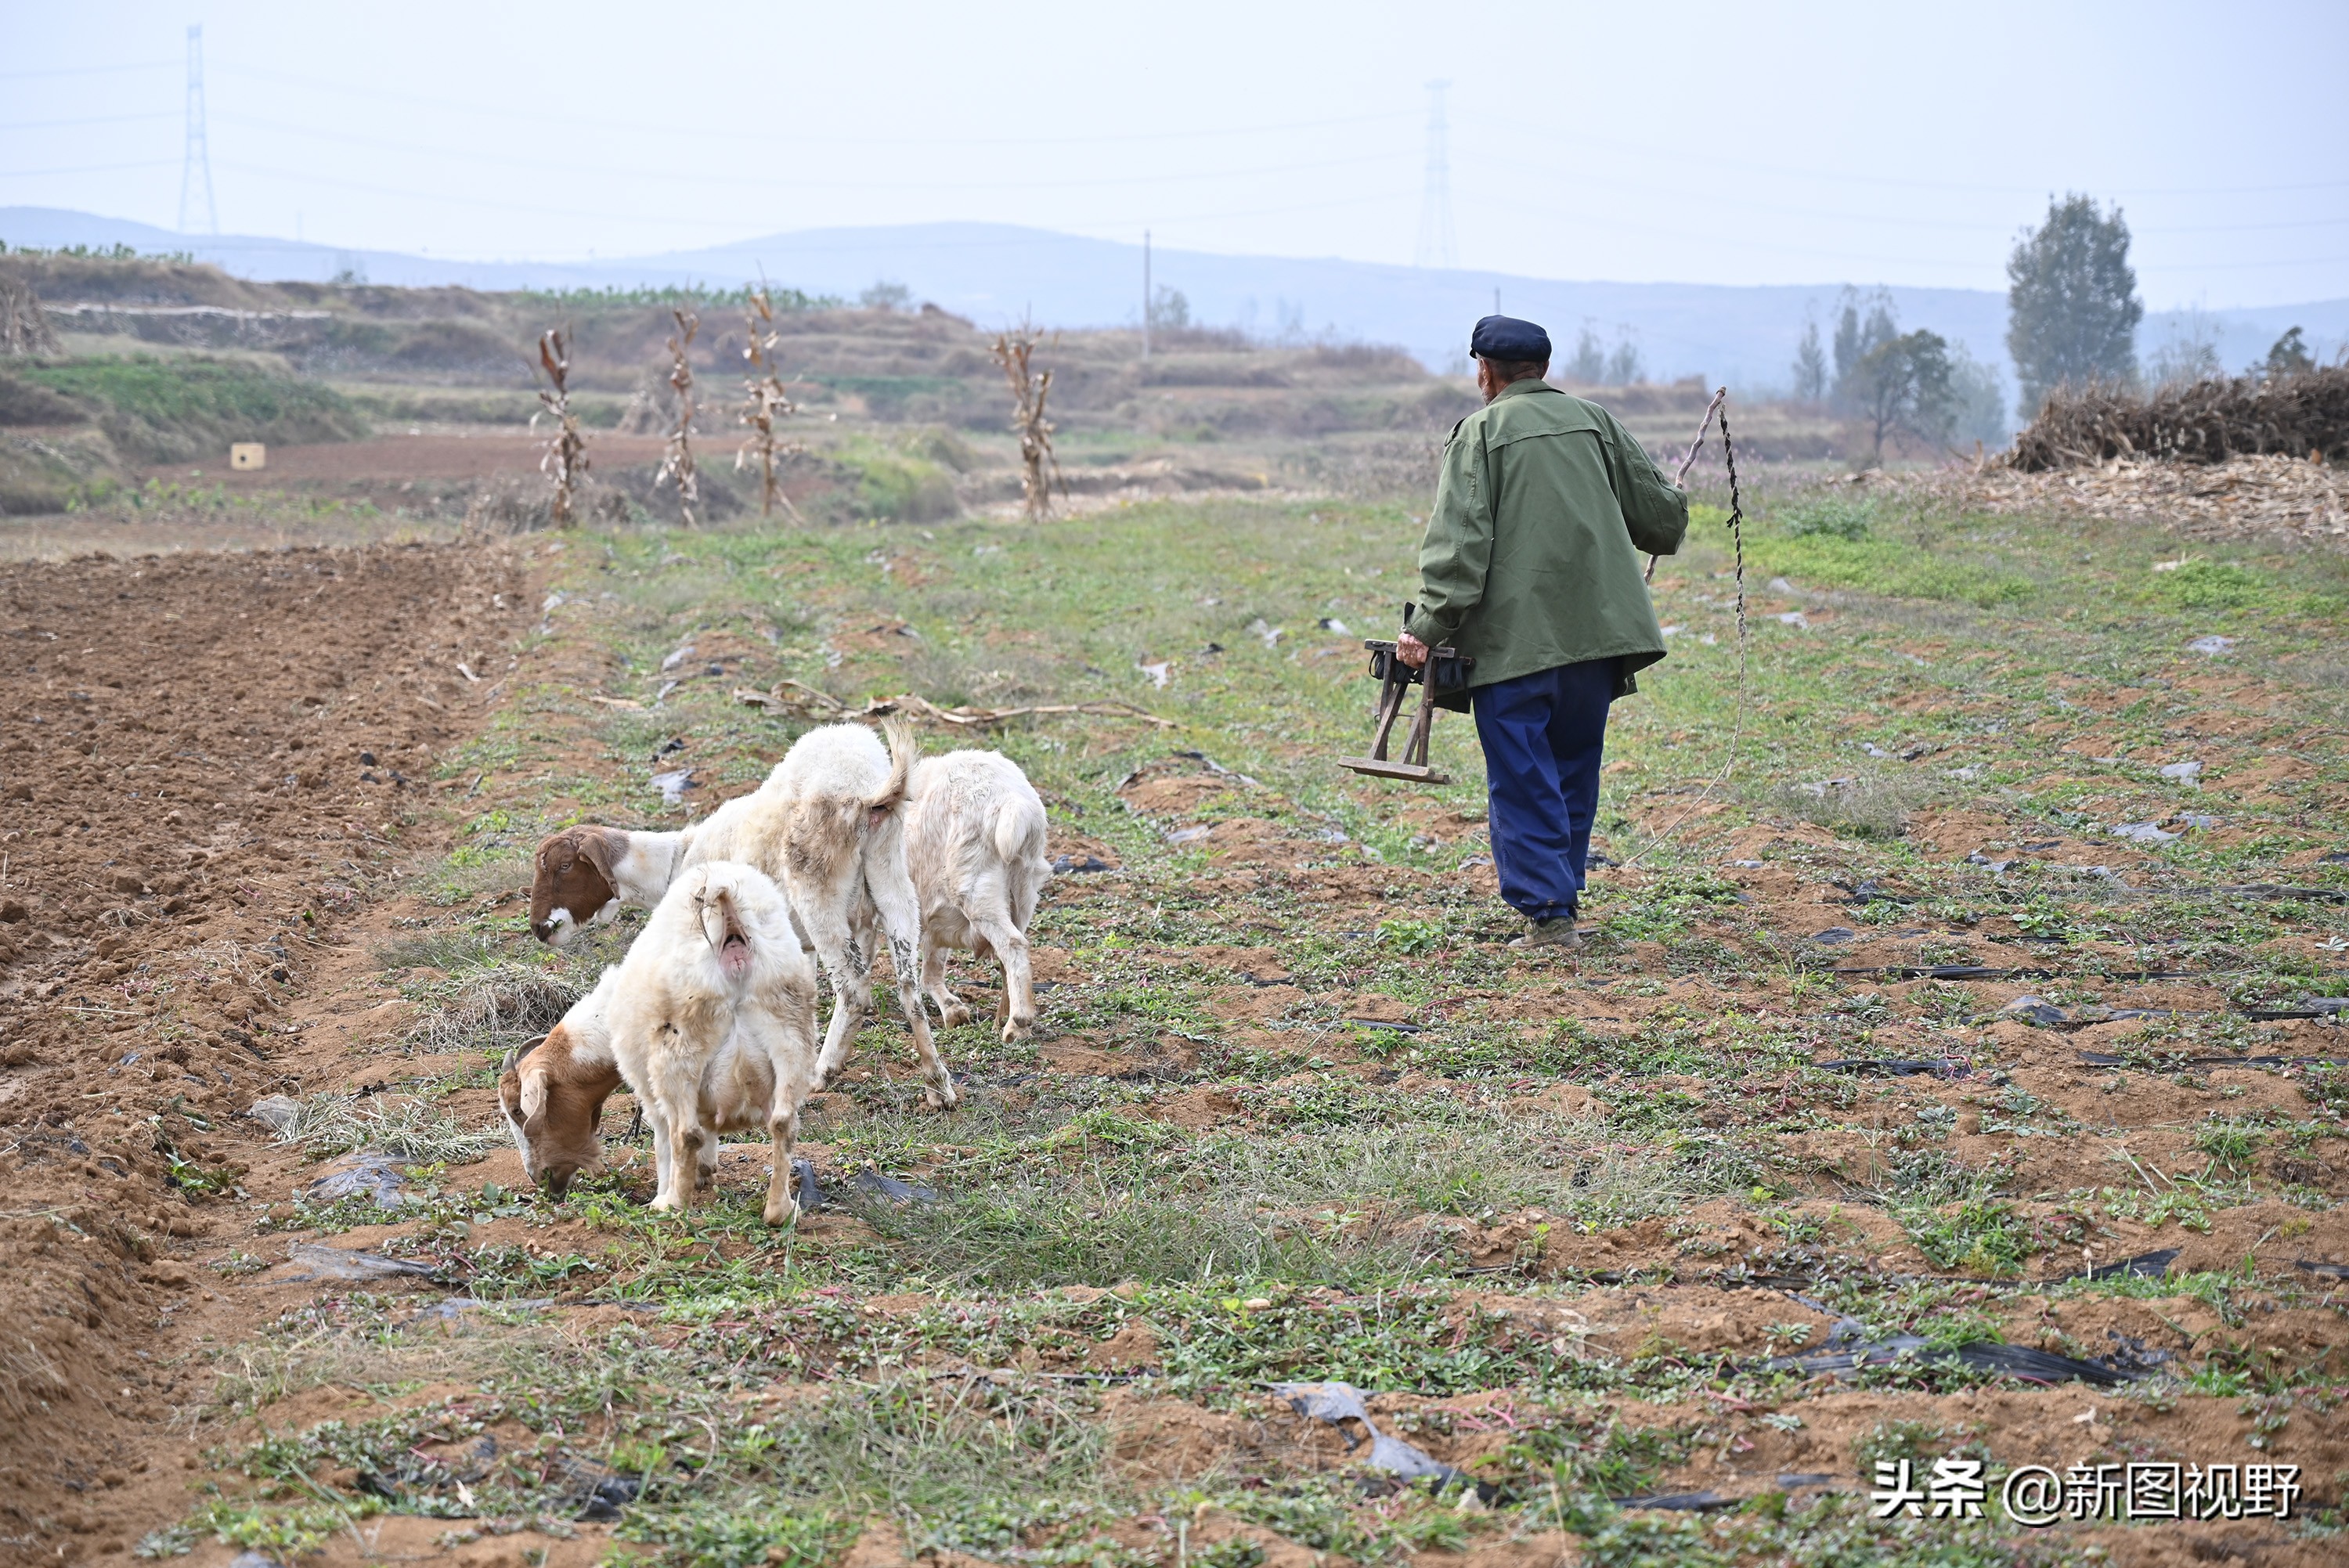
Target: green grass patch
point(168, 410)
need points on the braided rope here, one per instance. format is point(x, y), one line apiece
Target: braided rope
point(1720, 405)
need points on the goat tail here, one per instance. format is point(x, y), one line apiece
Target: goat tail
point(1019, 832)
point(903, 752)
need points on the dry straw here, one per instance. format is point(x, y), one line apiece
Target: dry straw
point(1040, 469)
point(677, 462)
point(567, 449)
point(2205, 421)
point(764, 401)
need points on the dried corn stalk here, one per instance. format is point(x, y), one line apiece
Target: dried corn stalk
point(567, 449)
point(1028, 388)
point(24, 329)
point(764, 401)
point(676, 463)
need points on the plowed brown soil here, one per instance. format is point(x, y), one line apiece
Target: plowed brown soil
point(203, 760)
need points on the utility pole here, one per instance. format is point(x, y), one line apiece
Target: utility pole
point(1145, 293)
point(199, 161)
point(1437, 247)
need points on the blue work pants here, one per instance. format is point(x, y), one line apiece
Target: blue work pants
point(1543, 736)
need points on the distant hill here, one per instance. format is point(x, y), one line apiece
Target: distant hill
point(994, 273)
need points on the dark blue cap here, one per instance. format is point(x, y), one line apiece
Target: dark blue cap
point(1507, 337)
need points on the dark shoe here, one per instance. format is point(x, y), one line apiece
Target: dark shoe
point(1557, 932)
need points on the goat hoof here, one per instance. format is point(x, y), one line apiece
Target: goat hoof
point(941, 1098)
point(1018, 1029)
point(787, 1213)
point(956, 1016)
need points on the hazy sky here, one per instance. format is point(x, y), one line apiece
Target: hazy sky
point(1715, 143)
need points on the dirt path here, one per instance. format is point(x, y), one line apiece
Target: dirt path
point(205, 764)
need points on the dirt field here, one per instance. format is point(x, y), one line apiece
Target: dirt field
point(206, 764)
point(1910, 1055)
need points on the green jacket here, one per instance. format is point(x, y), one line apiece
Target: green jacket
point(1532, 555)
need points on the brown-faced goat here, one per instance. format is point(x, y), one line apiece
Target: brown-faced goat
point(553, 1088)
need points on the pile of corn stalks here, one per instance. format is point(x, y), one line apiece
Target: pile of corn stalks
point(2205, 421)
point(2268, 495)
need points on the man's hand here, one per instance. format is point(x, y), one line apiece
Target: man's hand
point(1411, 650)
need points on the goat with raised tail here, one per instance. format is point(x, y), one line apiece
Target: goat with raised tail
point(827, 824)
point(713, 1000)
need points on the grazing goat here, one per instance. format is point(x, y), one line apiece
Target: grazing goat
point(554, 1091)
point(715, 1000)
point(584, 874)
point(975, 853)
point(827, 824)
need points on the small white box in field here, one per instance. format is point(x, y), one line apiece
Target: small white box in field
point(247, 455)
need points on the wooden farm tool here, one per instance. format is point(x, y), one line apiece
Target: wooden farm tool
point(1445, 672)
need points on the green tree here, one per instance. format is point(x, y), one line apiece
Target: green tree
point(2289, 356)
point(1589, 365)
point(2071, 304)
point(1977, 400)
point(1810, 366)
point(1856, 337)
point(1623, 366)
point(1904, 385)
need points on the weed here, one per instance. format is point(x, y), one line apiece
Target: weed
point(1829, 515)
point(2232, 1141)
point(1866, 806)
point(401, 1126)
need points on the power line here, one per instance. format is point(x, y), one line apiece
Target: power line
point(199, 157)
point(672, 220)
point(341, 89)
point(1437, 247)
point(84, 168)
point(737, 182)
point(85, 70)
point(91, 120)
point(1877, 218)
point(1710, 161)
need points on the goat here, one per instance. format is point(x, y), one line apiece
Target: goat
point(975, 853)
point(827, 824)
point(584, 874)
point(714, 1001)
point(553, 1090)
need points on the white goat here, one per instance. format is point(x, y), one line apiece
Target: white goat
point(716, 989)
point(975, 853)
point(827, 825)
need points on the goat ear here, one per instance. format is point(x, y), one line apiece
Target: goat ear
point(515, 1056)
point(598, 849)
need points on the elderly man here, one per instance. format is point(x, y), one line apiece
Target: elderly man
point(1531, 567)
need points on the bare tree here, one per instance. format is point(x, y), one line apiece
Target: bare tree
point(765, 401)
point(676, 463)
point(1040, 469)
point(567, 449)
